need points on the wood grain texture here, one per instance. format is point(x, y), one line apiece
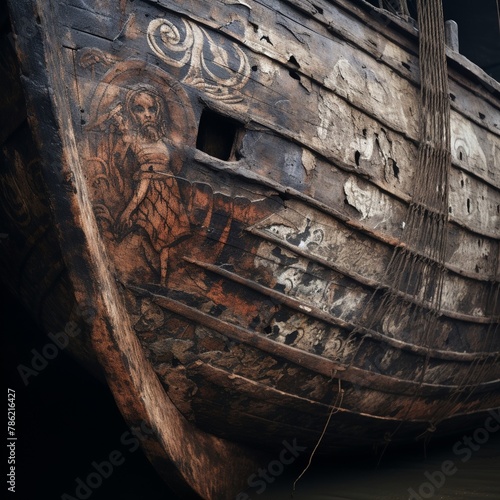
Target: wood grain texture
point(230, 182)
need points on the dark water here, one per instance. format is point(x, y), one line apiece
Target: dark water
point(66, 421)
point(450, 470)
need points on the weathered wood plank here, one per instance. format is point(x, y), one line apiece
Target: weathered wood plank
point(12, 105)
point(254, 262)
point(313, 47)
point(136, 387)
point(464, 134)
point(312, 237)
point(279, 82)
point(338, 193)
point(456, 347)
point(307, 360)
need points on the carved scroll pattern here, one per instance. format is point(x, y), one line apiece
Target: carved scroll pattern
point(219, 69)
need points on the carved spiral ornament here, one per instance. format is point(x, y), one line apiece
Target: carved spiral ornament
point(215, 66)
point(171, 39)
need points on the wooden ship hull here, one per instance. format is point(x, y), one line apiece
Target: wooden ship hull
point(261, 225)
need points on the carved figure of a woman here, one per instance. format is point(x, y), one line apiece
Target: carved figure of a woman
point(155, 204)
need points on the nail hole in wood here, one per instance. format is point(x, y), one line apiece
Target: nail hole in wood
point(292, 61)
point(395, 169)
point(357, 156)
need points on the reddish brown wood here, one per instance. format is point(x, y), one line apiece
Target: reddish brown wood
point(225, 186)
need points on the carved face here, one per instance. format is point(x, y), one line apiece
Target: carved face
point(145, 109)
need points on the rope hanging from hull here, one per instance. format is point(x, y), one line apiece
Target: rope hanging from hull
point(399, 7)
point(417, 265)
point(417, 268)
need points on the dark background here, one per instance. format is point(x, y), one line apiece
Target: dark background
point(65, 420)
point(478, 31)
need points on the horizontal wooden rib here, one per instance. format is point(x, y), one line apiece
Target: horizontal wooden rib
point(327, 27)
point(304, 359)
point(258, 391)
point(316, 313)
point(261, 391)
point(255, 388)
point(369, 282)
point(325, 152)
point(240, 169)
point(270, 52)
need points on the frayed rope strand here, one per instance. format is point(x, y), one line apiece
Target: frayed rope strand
point(335, 408)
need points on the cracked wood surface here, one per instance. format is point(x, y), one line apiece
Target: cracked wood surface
point(229, 181)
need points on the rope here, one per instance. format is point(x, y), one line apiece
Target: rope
point(426, 228)
point(427, 215)
point(335, 408)
point(426, 221)
point(399, 7)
